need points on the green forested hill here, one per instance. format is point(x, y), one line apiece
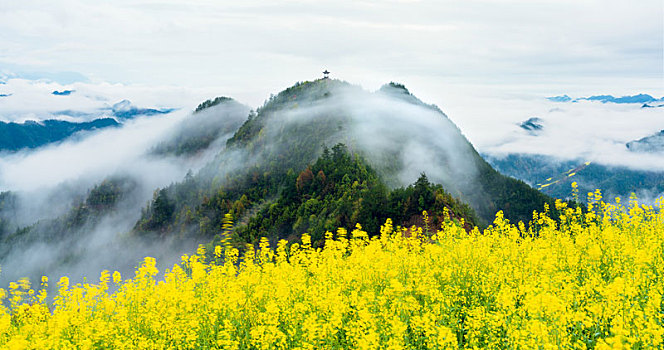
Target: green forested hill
point(389, 139)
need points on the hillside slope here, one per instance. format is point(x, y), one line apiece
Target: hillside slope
point(554, 176)
point(398, 136)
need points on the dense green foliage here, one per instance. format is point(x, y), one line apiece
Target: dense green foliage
point(554, 176)
point(159, 212)
point(212, 102)
point(514, 197)
point(31, 134)
point(308, 135)
point(338, 190)
point(342, 190)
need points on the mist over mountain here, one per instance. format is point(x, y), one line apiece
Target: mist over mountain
point(33, 134)
point(207, 125)
point(82, 208)
point(125, 110)
point(600, 142)
point(390, 131)
point(649, 144)
point(316, 156)
point(611, 135)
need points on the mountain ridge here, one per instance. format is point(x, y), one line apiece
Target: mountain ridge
point(33, 134)
point(290, 132)
point(638, 98)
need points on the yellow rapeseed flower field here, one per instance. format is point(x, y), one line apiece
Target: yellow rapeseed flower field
point(593, 279)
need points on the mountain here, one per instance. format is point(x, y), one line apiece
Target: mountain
point(31, 134)
point(213, 120)
point(318, 155)
point(391, 138)
point(640, 98)
point(533, 125)
point(121, 111)
point(554, 176)
point(63, 92)
point(100, 200)
point(34, 134)
point(562, 98)
point(648, 144)
point(125, 110)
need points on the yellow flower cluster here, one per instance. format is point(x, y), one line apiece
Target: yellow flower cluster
point(592, 279)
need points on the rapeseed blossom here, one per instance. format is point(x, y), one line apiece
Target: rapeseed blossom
point(592, 279)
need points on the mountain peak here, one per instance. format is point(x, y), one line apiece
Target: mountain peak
point(563, 98)
point(304, 92)
point(393, 87)
point(63, 92)
point(213, 102)
point(122, 106)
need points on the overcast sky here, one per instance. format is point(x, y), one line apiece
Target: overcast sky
point(487, 63)
point(249, 49)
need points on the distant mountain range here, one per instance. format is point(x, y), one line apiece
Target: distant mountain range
point(554, 176)
point(649, 144)
point(63, 92)
point(645, 99)
point(33, 134)
point(121, 110)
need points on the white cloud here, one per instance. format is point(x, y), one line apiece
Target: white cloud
point(94, 158)
point(251, 48)
point(592, 131)
point(34, 99)
point(486, 63)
